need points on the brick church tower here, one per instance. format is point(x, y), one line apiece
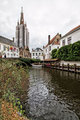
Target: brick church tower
point(22, 36)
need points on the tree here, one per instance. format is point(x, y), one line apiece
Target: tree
point(53, 54)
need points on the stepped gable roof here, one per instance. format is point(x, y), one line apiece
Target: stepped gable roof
point(6, 41)
point(51, 41)
point(71, 31)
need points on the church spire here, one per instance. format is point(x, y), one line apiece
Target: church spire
point(22, 16)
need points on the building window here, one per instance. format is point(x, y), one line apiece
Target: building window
point(8, 48)
point(4, 47)
point(53, 43)
point(0, 46)
point(36, 54)
point(49, 48)
point(57, 40)
point(69, 40)
point(63, 43)
point(8, 54)
point(33, 54)
point(39, 53)
point(57, 48)
point(17, 50)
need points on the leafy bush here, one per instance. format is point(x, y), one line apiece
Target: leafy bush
point(53, 54)
point(28, 61)
point(69, 52)
point(13, 82)
point(62, 53)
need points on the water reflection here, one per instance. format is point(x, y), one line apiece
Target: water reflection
point(51, 95)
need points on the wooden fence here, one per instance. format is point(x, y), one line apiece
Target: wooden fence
point(70, 68)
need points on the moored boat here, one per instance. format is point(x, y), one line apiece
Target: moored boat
point(36, 65)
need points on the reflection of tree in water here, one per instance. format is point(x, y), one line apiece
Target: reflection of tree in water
point(67, 88)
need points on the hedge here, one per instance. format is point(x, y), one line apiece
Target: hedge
point(69, 52)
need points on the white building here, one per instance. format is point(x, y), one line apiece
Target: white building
point(54, 43)
point(8, 49)
point(71, 37)
point(37, 53)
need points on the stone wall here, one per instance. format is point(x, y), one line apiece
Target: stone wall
point(70, 62)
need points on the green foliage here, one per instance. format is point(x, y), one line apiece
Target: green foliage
point(69, 52)
point(9, 96)
point(19, 106)
point(21, 63)
point(12, 80)
point(28, 61)
point(62, 53)
point(53, 54)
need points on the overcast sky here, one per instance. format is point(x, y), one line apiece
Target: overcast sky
point(43, 17)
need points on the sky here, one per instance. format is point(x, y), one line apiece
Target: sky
point(43, 18)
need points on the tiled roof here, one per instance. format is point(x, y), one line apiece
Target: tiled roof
point(37, 49)
point(71, 31)
point(6, 41)
point(51, 41)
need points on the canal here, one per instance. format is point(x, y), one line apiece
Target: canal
point(53, 95)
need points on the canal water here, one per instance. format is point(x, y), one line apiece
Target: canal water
point(53, 95)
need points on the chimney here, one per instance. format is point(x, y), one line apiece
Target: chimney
point(13, 39)
point(43, 47)
point(48, 39)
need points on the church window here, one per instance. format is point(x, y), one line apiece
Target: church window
point(57, 40)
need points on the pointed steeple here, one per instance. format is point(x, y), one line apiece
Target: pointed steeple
point(22, 16)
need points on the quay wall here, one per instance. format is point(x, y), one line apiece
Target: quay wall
point(70, 62)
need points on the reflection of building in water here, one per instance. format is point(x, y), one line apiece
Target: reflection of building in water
point(69, 74)
point(22, 37)
point(47, 95)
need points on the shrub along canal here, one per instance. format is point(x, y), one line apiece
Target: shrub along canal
point(53, 95)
